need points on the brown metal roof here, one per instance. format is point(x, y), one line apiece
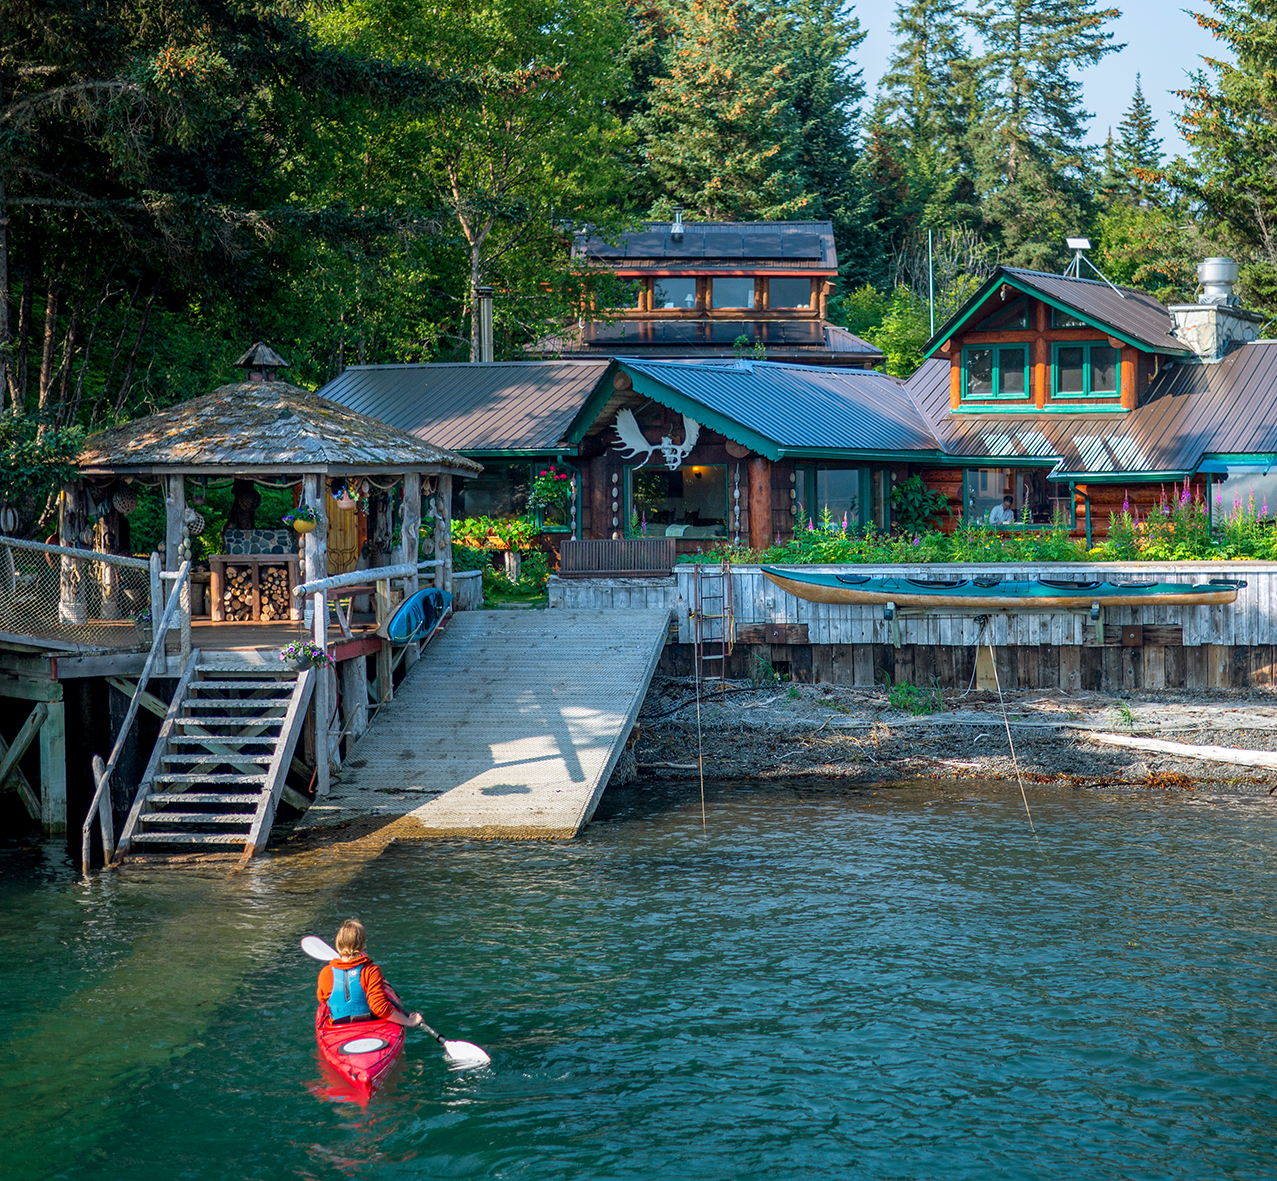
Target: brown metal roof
point(271, 426)
point(1127, 312)
point(501, 406)
point(1191, 410)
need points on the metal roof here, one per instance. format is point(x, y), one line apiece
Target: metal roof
point(1134, 315)
point(795, 408)
point(269, 425)
point(500, 406)
point(1190, 410)
point(805, 243)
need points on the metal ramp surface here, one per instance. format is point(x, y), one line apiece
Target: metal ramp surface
point(508, 727)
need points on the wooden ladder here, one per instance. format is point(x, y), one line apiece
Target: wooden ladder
point(219, 763)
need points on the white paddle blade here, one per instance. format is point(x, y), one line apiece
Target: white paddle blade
point(465, 1054)
point(317, 949)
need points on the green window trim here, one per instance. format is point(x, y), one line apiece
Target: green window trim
point(1086, 393)
point(628, 527)
point(1023, 396)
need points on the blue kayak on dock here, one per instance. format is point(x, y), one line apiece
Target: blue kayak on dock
point(418, 616)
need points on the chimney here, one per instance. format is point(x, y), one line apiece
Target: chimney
point(1217, 321)
point(676, 230)
point(483, 309)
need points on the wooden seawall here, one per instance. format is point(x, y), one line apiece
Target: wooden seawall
point(1141, 647)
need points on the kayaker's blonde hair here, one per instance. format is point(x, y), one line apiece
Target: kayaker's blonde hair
point(352, 938)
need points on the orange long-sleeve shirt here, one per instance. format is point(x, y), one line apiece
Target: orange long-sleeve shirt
point(370, 978)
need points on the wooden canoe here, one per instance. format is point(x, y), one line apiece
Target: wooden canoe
point(990, 593)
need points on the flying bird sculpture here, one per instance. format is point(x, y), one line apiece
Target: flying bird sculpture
point(634, 443)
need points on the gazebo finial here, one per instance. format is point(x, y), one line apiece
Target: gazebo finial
point(261, 363)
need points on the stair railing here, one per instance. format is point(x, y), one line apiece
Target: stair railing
point(100, 805)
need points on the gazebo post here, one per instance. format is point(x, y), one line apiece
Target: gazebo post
point(315, 559)
point(443, 533)
point(72, 518)
point(174, 520)
point(409, 543)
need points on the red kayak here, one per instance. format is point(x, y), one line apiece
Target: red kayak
point(361, 1052)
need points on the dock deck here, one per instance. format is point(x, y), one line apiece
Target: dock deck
point(508, 727)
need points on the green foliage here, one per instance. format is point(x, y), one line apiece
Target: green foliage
point(762, 671)
point(33, 467)
point(517, 533)
point(469, 557)
point(916, 506)
point(912, 700)
point(898, 323)
point(1178, 529)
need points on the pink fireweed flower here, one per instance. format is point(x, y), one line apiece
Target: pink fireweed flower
point(811, 525)
point(1219, 500)
point(917, 540)
point(844, 522)
point(1264, 509)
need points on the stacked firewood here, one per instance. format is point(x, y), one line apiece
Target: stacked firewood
point(237, 594)
point(274, 592)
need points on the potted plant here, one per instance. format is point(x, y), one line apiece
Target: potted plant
point(304, 654)
point(303, 518)
point(551, 490)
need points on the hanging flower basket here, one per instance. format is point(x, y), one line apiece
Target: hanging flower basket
point(303, 518)
point(304, 654)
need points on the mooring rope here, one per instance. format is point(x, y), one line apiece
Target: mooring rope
point(1006, 721)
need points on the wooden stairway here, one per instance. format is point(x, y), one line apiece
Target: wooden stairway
point(218, 767)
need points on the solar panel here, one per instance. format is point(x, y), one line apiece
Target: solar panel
point(761, 245)
point(649, 245)
point(722, 245)
point(692, 246)
point(801, 246)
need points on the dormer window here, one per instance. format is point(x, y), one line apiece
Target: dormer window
point(734, 293)
point(671, 294)
point(789, 293)
point(995, 371)
point(1086, 371)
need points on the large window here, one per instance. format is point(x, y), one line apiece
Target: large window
point(1086, 371)
point(500, 491)
point(995, 371)
point(733, 293)
point(986, 488)
point(674, 293)
point(857, 495)
point(688, 502)
point(789, 293)
point(1245, 490)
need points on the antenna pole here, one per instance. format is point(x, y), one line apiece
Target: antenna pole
point(931, 284)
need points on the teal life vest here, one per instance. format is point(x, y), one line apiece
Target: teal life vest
point(348, 1001)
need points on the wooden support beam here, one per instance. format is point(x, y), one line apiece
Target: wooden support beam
point(53, 769)
point(22, 740)
point(16, 779)
point(72, 524)
point(29, 688)
point(410, 545)
point(174, 526)
point(760, 502)
point(443, 533)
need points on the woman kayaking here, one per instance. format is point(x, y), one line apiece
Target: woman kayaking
point(353, 988)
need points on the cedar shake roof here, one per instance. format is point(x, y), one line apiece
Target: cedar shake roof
point(267, 426)
point(497, 406)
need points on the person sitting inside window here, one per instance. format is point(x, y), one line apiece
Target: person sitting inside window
point(1003, 514)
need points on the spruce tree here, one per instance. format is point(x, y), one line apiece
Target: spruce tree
point(927, 100)
point(1030, 144)
point(1138, 152)
point(1230, 123)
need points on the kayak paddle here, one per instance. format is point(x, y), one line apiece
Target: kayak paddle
point(458, 1053)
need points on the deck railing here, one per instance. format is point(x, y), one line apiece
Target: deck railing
point(627, 557)
point(100, 806)
point(76, 600)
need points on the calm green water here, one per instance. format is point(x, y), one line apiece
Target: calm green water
point(831, 985)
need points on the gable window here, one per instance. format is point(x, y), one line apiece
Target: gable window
point(1014, 315)
point(734, 293)
point(674, 293)
point(789, 293)
point(1086, 371)
point(995, 371)
point(1061, 319)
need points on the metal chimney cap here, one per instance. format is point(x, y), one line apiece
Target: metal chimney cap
point(1217, 276)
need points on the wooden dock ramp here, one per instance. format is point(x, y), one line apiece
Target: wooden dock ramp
point(508, 727)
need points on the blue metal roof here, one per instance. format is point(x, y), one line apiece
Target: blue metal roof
point(795, 408)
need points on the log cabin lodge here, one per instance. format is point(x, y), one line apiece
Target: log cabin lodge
point(1070, 395)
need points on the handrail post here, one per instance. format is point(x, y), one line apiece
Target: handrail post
point(323, 707)
point(157, 597)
